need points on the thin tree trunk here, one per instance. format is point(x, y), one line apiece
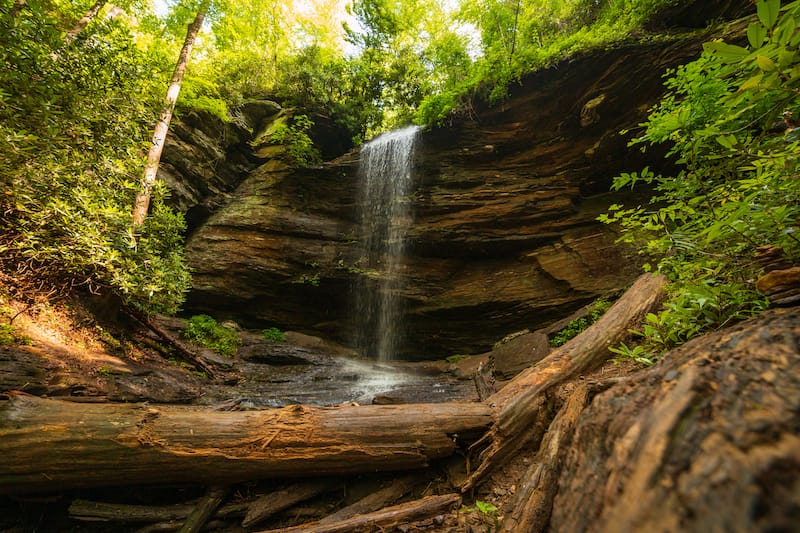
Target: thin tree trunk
point(142, 203)
point(19, 5)
point(84, 21)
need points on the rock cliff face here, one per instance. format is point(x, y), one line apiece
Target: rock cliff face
point(504, 235)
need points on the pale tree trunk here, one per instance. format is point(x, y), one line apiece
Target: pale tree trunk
point(84, 21)
point(19, 5)
point(142, 203)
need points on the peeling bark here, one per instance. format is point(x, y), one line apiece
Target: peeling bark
point(49, 445)
point(707, 440)
point(533, 502)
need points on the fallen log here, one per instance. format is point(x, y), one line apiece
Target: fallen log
point(51, 445)
point(377, 500)
point(383, 519)
point(519, 401)
point(89, 511)
point(204, 509)
point(705, 440)
point(533, 501)
point(275, 502)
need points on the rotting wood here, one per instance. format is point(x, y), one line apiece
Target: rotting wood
point(90, 511)
point(275, 502)
point(383, 519)
point(516, 403)
point(483, 382)
point(532, 504)
point(51, 445)
point(375, 501)
point(161, 517)
point(205, 508)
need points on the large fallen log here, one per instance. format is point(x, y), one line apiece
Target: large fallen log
point(50, 445)
point(519, 402)
point(708, 439)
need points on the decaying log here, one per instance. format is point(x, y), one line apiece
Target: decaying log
point(516, 402)
point(706, 440)
point(51, 445)
point(533, 502)
point(377, 500)
point(204, 509)
point(159, 517)
point(383, 519)
point(90, 511)
point(483, 381)
point(275, 502)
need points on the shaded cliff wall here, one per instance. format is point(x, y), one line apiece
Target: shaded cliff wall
point(505, 235)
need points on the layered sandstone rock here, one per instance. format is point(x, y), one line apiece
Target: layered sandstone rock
point(505, 235)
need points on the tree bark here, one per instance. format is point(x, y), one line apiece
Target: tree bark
point(384, 519)
point(706, 440)
point(142, 203)
point(518, 403)
point(275, 502)
point(533, 501)
point(377, 500)
point(204, 509)
point(84, 21)
point(50, 445)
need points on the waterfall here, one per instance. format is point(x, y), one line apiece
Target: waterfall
point(385, 172)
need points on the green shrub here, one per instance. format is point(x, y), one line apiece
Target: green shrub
point(7, 335)
point(598, 308)
point(274, 334)
point(737, 189)
point(204, 330)
point(74, 124)
point(300, 148)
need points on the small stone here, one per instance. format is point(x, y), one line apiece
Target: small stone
point(671, 375)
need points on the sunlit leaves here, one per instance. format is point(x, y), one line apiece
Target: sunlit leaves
point(74, 123)
point(738, 190)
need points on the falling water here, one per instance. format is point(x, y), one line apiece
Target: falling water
point(386, 176)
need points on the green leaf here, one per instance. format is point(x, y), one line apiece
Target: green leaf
point(756, 33)
point(768, 12)
point(765, 63)
point(726, 52)
point(752, 82)
point(785, 30)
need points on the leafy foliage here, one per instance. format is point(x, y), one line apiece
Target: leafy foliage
point(300, 148)
point(274, 334)
point(577, 326)
point(73, 124)
point(204, 330)
point(738, 189)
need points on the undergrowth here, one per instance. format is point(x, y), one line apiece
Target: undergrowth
point(205, 331)
point(728, 120)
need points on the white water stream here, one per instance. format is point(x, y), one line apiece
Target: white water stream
point(386, 173)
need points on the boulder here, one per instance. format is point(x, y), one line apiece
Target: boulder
point(514, 356)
